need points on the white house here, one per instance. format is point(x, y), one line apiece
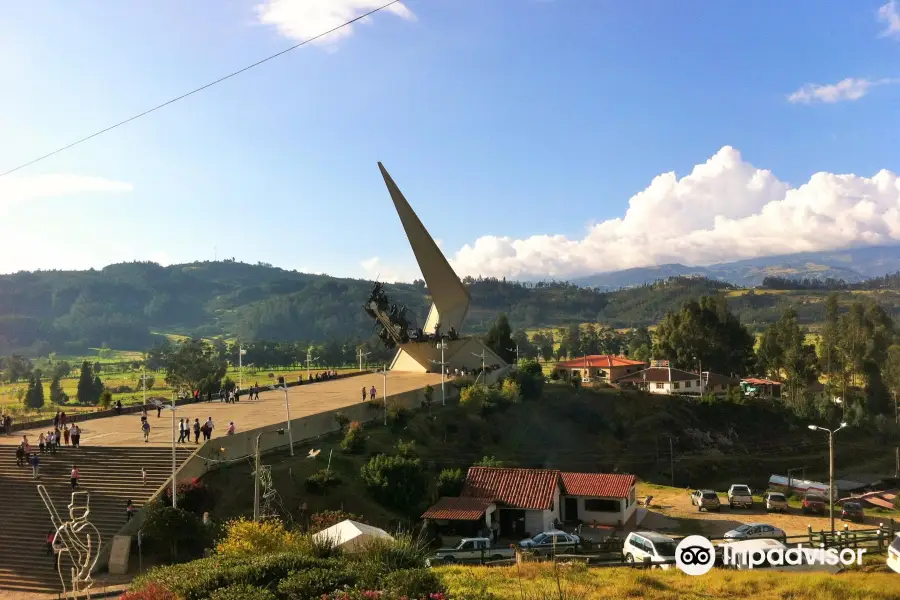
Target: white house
point(532, 500)
point(669, 380)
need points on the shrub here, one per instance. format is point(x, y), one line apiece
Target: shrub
point(511, 391)
point(320, 481)
point(450, 482)
point(414, 583)
point(175, 533)
point(314, 583)
point(326, 518)
point(199, 579)
point(383, 556)
point(153, 591)
point(341, 419)
point(473, 397)
point(242, 591)
point(406, 449)
point(354, 440)
point(192, 495)
point(396, 481)
point(105, 399)
point(398, 417)
point(245, 537)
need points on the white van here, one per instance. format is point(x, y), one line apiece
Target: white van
point(641, 545)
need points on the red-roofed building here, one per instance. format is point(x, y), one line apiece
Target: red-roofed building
point(597, 367)
point(528, 501)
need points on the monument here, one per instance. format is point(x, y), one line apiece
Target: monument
point(419, 349)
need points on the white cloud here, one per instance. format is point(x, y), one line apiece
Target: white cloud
point(15, 189)
point(375, 269)
point(846, 89)
point(304, 19)
point(725, 209)
point(890, 15)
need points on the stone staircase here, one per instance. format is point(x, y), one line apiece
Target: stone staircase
point(111, 474)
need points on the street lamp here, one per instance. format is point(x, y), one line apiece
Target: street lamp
point(361, 355)
point(174, 462)
point(384, 373)
point(482, 356)
point(287, 409)
point(256, 473)
point(309, 359)
point(442, 345)
point(830, 433)
point(241, 353)
point(517, 352)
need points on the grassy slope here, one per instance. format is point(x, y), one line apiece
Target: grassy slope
point(539, 582)
point(593, 432)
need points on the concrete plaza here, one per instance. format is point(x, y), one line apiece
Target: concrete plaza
point(307, 399)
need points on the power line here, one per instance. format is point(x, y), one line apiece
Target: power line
point(199, 89)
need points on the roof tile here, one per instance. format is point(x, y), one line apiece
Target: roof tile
point(606, 485)
point(518, 488)
point(457, 509)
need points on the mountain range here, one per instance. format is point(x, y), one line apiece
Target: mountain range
point(851, 265)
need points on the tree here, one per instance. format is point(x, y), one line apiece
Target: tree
point(450, 482)
point(526, 348)
point(98, 388)
point(783, 352)
point(16, 367)
point(705, 331)
point(86, 392)
point(61, 369)
point(194, 365)
point(34, 397)
point(396, 481)
point(499, 339)
point(57, 395)
point(544, 344)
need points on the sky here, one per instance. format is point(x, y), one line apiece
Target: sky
point(534, 138)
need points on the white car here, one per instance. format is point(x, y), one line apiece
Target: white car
point(893, 556)
point(551, 542)
point(776, 501)
point(752, 531)
point(640, 546)
point(740, 495)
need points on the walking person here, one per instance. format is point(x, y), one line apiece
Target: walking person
point(146, 429)
point(56, 420)
point(230, 428)
point(35, 461)
point(51, 537)
point(364, 393)
point(41, 443)
point(196, 430)
point(158, 410)
point(144, 475)
point(76, 436)
point(180, 431)
point(372, 393)
point(129, 511)
point(66, 435)
point(75, 476)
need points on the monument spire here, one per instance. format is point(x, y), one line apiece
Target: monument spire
point(449, 296)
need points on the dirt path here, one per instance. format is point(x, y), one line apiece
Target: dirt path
point(676, 503)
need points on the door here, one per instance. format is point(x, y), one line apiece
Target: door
point(571, 510)
point(512, 523)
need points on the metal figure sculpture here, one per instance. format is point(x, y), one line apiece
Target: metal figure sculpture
point(79, 539)
point(271, 499)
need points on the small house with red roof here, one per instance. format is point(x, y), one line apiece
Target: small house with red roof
point(529, 501)
point(597, 367)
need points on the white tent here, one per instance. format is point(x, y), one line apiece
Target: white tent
point(351, 536)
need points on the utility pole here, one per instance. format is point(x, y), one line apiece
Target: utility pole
point(517, 352)
point(174, 462)
point(144, 384)
point(482, 356)
point(442, 345)
point(830, 433)
point(360, 353)
point(384, 373)
point(287, 409)
point(309, 359)
point(897, 448)
point(241, 353)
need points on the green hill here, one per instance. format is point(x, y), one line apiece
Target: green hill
point(123, 305)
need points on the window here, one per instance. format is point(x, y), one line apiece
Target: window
point(675, 386)
point(659, 386)
point(597, 505)
point(631, 497)
point(687, 384)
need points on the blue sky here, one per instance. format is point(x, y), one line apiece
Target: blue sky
point(527, 134)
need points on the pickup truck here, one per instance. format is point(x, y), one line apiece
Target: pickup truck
point(472, 549)
point(740, 495)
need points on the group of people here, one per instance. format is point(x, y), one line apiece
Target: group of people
point(372, 392)
point(6, 424)
point(185, 428)
point(49, 442)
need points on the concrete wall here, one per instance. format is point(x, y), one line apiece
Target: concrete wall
point(242, 444)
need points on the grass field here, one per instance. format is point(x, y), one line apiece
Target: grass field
point(541, 581)
point(9, 401)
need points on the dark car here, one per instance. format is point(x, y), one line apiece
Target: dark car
point(853, 511)
point(814, 503)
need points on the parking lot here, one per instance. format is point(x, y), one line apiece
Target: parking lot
point(676, 504)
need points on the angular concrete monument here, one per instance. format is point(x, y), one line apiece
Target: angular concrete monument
point(450, 304)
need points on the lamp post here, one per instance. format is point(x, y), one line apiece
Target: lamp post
point(360, 353)
point(256, 473)
point(144, 384)
point(384, 373)
point(309, 359)
point(442, 346)
point(830, 433)
point(287, 410)
point(241, 353)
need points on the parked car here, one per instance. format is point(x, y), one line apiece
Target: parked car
point(755, 531)
point(470, 549)
point(707, 499)
point(776, 502)
point(551, 542)
point(893, 555)
point(658, 548)
point(814, 503)
point(740, 495)
point(853, 511)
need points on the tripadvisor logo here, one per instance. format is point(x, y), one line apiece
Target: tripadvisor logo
point(696, 555)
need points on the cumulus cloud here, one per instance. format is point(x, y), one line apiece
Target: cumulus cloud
point(844, 90)
point(24, 188)
point(889, 14)
point(304, 19)
point(725, 209)
point(373, 268)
